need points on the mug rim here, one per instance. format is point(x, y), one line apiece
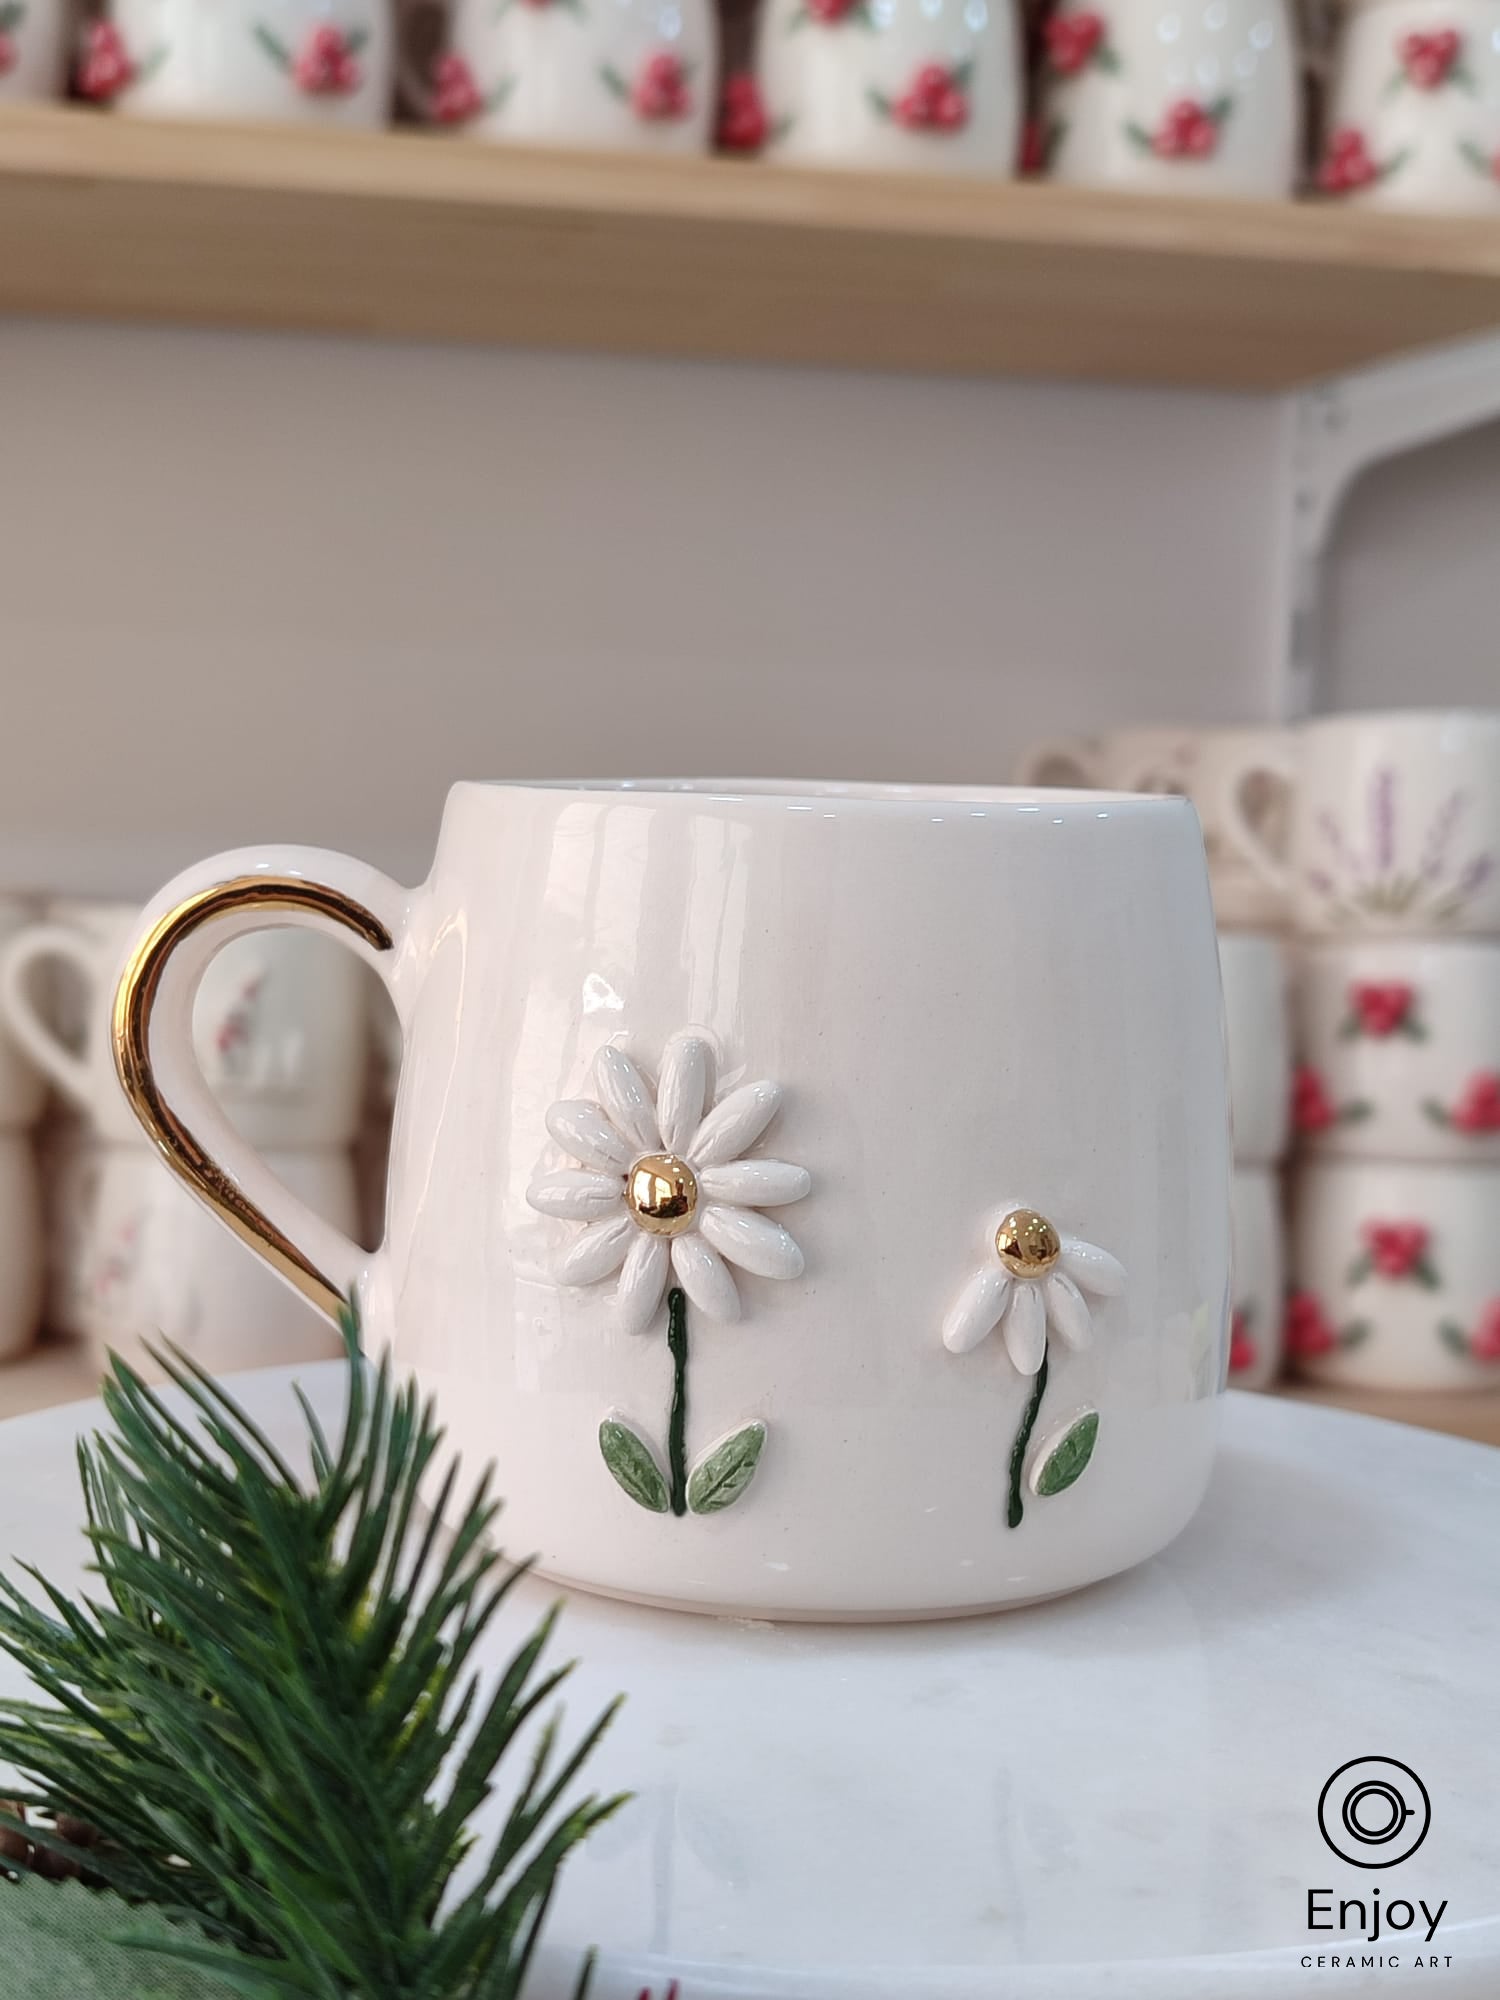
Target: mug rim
point(1384, 718)
point(876, 795)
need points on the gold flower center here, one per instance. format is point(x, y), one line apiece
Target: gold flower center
point(661, 1192)
point(1027, 1243)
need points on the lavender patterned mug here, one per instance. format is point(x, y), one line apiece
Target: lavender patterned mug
point(1396, 824)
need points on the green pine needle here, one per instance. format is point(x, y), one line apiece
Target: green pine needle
point(270, 1714)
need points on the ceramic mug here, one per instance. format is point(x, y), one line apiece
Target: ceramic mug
point(913, 85)
point(1200, 101)
point(322, 62)
point(33, 48)
point(22, 1088)
point(1256, 767)
point(1257, 1034)
point(628, 75)
point(1414, 109)
point(151, 1266)
point(1398, 1044)
point(1396, 1275)
point(20, 1246)
point(1395, 824)
point(814, 1197)
point(1255, 1323)
point(279, 1026)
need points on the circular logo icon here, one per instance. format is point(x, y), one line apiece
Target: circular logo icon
point(1374, 1812)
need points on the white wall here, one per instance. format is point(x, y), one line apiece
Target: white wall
point(260, 586)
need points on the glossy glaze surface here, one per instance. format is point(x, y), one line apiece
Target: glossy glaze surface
point(1108, 1798)
point(1257, 1033)
point(1255, 1338)
point(22, 1089)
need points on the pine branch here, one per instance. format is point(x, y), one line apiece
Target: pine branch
point(269, 1713)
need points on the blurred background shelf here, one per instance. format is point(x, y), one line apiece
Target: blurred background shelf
point(410, 236)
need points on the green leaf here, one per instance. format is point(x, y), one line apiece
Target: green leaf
point(274, 47)
point(1139, 137)
point(1435, 1111)
point(1359, 1269)
point(962, 75)
point(613, 81)
point(1355, 1112)
point(1220, 109)
point(12, 14)
point(1353, 1332)
point(634, 1469)
point(1454, 1336)
point(64, 1942)
point(356, 39)
point(879, 103)
point(1425, 1275)
point(1065, 1461)
point(1106, 59)
point(725, 1470)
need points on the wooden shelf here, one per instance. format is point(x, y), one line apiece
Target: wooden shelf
point(1458, 1412)
point(407, 235)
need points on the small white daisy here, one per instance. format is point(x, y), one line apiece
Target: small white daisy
point(664, 1189)
point(1035, 1278)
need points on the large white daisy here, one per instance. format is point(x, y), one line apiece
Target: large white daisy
point(664, 1190)
point(1034, 1278)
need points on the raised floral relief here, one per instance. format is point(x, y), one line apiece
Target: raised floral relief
point(935, 101)
point(1379, 1008)
point(1311, 1333)
point(1076, 40)
point(1482, 1342)
point(327, 62)
point(1429, 61)
point(669, 1196)
point(1395, 1253)
point(1035, 1282)
point(1314, 1111)
point(1186, 130)
point(1348, 165)
point(659, 93)
point(1475, 1112)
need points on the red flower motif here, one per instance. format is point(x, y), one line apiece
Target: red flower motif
point(1033, 158)
point(1478, 1110)
point(1312, 1108)
point(742, 115)
point(456, 97)
point(660, 91)
point(1188, 131)
point(1243, 1352)
point(1381, 1006)
point(106, 68)
point(1072, 41)
point(1428, 59)
point(830, 12)
point(10, 54)
point(1308, 1328)
point(326, 65)
point(933, 101)
point(1484, 1343)
point(1348, 163)
point(1396, 1248)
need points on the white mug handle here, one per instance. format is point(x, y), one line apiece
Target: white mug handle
point(181, 930)
point(1240, 831)
point(40, 944)
point(1071, 761)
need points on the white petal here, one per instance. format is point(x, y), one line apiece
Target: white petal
point(1026, 1327)
point(1068, 1311)
point(760, 1183)
point(598, 1252)
point(623, 1093)
point(976, 1310)
point(683, 1088)
point(704, 1276)
point(735, 1124)
point(576, 1196)
point(642, 1282)
point(582, 1129)
point(1092, 1268)
point(752, 1241)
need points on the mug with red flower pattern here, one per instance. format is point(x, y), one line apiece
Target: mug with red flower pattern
point(1395, 1275)
point(327, 62)
point(1414, 113)
point(33, 48)
point(1255, 1319)
point(1138, 93)
point(1399, 1049)
point(920, 85)
point(619, 74)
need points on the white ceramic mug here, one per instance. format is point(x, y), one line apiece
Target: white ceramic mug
point(1253, 767)
point(621, 74)
point(145, 1264)
point(1396, 1275)
point(1257, 1034)
point(1205, 101)
point(1398, 1043)
point(1255, 1322)
point(22, 1089)
point(925, 1088)
point(33, 48)
point(1414, 109)
point(916, 85)
point(322, 62)
point(1395, 824)
point(20, 1246)
point(280, 1025)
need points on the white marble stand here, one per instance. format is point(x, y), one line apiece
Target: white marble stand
point(1111, 1797)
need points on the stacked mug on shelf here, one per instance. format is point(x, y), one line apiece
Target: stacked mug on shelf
point(280, 1028)
point(22, 1096)
point(1394, 875)
point(1247, 771)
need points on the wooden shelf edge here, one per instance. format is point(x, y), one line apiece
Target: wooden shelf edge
point(1455, 1412)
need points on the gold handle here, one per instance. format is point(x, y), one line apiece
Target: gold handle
point(135, 1000)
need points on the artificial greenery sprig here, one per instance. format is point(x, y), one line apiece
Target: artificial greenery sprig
point(270, 1717)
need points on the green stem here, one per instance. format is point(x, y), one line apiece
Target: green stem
point(1015, 1510)
point(677, 1422)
